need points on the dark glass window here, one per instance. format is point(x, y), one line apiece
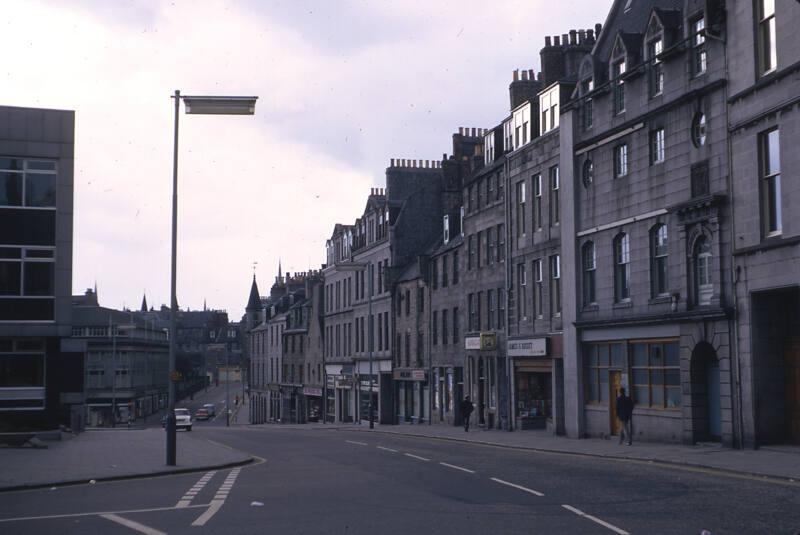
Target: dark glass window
point(11, 189)
point(40, 190)
point(18, 371)
point(10, 278)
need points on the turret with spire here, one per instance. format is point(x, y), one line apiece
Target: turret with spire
point(253, 309)
point(144, 303)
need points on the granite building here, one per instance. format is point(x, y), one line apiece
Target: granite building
point(763, 127)
point(646, 227)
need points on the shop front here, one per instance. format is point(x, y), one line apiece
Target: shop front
point(411, 394)
point(340, 391)
point(448, 388)
point(313, 403)
point(538, 383)
point(483, 367)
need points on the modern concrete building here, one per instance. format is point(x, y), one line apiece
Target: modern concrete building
point(763, 124)
point(41, 377)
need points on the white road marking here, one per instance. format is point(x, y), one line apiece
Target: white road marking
point(603, 523)
point(219, 498)
point(520, 487)
point(356, 442)
point(97, 513)
point(197, 487)
point(416, 457)
point(386, 449)
point(136, 526)
point(458, 468)
point(215, 506)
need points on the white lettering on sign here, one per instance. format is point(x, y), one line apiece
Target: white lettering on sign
point(529, 347)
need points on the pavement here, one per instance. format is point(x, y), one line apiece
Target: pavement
point(781, 462)
point(121, 453)
point(110, 454)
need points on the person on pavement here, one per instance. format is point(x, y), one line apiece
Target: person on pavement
point(625, 415)
point(466, 411)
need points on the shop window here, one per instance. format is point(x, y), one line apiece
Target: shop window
point(656, 374)
point(599, 359)
point(534, 395)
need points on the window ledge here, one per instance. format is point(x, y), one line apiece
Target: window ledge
point(623, 304)
point(592, 307)
point(659, 300)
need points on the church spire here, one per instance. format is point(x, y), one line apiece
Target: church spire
point(254, 303)
point(144, 302)
point(279, 269)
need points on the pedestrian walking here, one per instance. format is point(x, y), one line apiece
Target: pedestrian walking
point(466, 411)
point(625, 415)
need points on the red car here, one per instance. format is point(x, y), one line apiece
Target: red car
point(201, 414)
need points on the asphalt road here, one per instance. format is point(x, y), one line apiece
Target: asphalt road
point(349, 482)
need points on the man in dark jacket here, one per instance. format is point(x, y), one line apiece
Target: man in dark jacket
point(466, 412)
point(625, 415)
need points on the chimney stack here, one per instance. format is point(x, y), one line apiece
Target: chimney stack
point(572, 37)
point(597, 29)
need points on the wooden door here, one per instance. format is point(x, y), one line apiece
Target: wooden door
point(792, 367)
point(614, 384)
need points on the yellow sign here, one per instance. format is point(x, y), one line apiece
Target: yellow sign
point(175, 376)
point(488, 341)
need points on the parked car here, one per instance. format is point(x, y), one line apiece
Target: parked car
point(211, 408)
point(183, 419)
point(201, 414)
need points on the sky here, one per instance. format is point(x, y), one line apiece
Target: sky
point(343, 87)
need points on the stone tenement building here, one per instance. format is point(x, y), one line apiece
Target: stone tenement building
point(627, 224)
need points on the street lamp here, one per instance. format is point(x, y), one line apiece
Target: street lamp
point(205, 105)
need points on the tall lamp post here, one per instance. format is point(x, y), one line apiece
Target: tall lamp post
point(201, 105)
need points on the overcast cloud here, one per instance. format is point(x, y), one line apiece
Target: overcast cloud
point(343, 87)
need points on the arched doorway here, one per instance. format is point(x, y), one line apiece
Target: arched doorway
point(705, 388)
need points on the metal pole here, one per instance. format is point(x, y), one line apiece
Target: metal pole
point(227, 390)
point(371, 344)
point(113, 373)
point(171, 436)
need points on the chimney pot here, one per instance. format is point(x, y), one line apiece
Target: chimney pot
point(556, 40)
point(461, 130)
point(530, 74)
point(581, 36)
point(572, 37)
point(564, 39)
point(524, 75)
point(392, 164)
point(597, 29)
point(547, 41)
point(590, 35)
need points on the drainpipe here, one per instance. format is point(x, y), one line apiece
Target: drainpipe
point(508, 234)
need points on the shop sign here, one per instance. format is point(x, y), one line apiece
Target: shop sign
point(472, 343)
point(344, 383)
point(488, 341)
point(528, 347)
point(312, 391)
point(409, 375)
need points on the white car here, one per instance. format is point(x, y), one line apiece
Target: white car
point(183, 419)
point(211, 408)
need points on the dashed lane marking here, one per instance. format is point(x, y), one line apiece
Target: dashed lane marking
point(136, 526)
point(416, 457)
point(520, 487)
point(219, 498)
point(386, 449)
point(196, 488)
point(603, 523)
point(356, 442)
point(467, 470)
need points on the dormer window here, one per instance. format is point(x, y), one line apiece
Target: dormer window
point(698, 39)
point(488, 144)
point(548, 104)
point(446, 228)
point(617, 70)
point(655, 67)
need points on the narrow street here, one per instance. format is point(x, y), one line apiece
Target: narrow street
point(337, 481)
